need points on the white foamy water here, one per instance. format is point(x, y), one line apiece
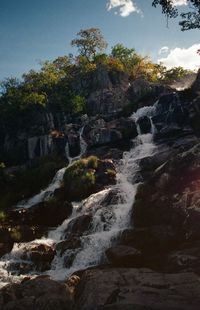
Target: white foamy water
point(83, 148)
point(48, 192)
point(109, 216)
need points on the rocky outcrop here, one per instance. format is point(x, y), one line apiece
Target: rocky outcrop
point(194, 115)
point(107, 95)
point(124, 256)
point(171, 117)
point(46, 214)
point(40, 254)
point(40, 293)
point(129, 288)
point(99, 132)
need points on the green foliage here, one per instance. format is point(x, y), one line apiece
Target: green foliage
point(15, 234)
point(190, 19)
point(78, 104)
point(80, 178)
point(89, 42)
point(24, 184)
point(111, 172)
point(127, 56)
point(2, 216)
point(175, 73)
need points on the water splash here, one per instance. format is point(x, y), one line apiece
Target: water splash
point(109, 216)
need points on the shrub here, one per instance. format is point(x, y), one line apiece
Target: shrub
point(25, 183)
point(80, 178)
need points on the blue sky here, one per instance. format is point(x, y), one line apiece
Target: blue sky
point(31, 31)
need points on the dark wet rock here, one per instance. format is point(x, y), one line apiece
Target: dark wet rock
point(6, 241)
point(106, 152)
point(48, 213)
point(73, 144)
point(171, 118)
point(40, 293)
point(159, 239)
point(20, 267)
point(131, 288)
point(99, 132)
point(145, 124)
point(124, 256)
point(171, 196)
point(41, 255)
point(186, 257)
point(69, 257)
point(79, 225)
point(69, 244)
point(194, 115)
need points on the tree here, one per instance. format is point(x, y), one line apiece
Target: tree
point(89, 42)
point(127, 56)
point(190, 19)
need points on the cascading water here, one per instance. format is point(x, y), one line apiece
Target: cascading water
point(83, 147)
point(47, 192)
point(109, 217)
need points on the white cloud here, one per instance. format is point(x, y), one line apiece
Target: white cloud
point(125, 7)
point(184, 57)
point(179, 2)
point(163, 50)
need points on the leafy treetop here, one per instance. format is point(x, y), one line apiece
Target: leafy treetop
point(190, 19)
point(89, 42)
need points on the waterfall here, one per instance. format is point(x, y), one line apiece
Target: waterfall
point(83, 148)
point(45, 194)
point(109, 217)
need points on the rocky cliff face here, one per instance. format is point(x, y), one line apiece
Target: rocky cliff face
point(47, 132)
point(139, 230)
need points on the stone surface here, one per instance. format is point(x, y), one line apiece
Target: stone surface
point(129, 288)
point(124, 256)
point(48, 213)
point(40, 293)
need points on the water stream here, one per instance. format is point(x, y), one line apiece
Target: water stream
point(109, 216)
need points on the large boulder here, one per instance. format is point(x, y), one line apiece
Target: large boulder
point(107, 92)
point(124, 256)
point(100, 132)
point(171, 196)
point(40, 254)
point(144, 93)
point(144, 124)
point(107, 102)
point(40, 293)
point(47, 213)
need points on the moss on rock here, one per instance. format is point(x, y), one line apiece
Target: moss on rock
point(87, 176)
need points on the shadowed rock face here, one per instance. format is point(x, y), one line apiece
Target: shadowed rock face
point(40, 293)
point(196, 84)
point(129, 288)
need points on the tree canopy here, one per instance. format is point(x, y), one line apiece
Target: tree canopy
point(189, 19)
point(89, 42)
